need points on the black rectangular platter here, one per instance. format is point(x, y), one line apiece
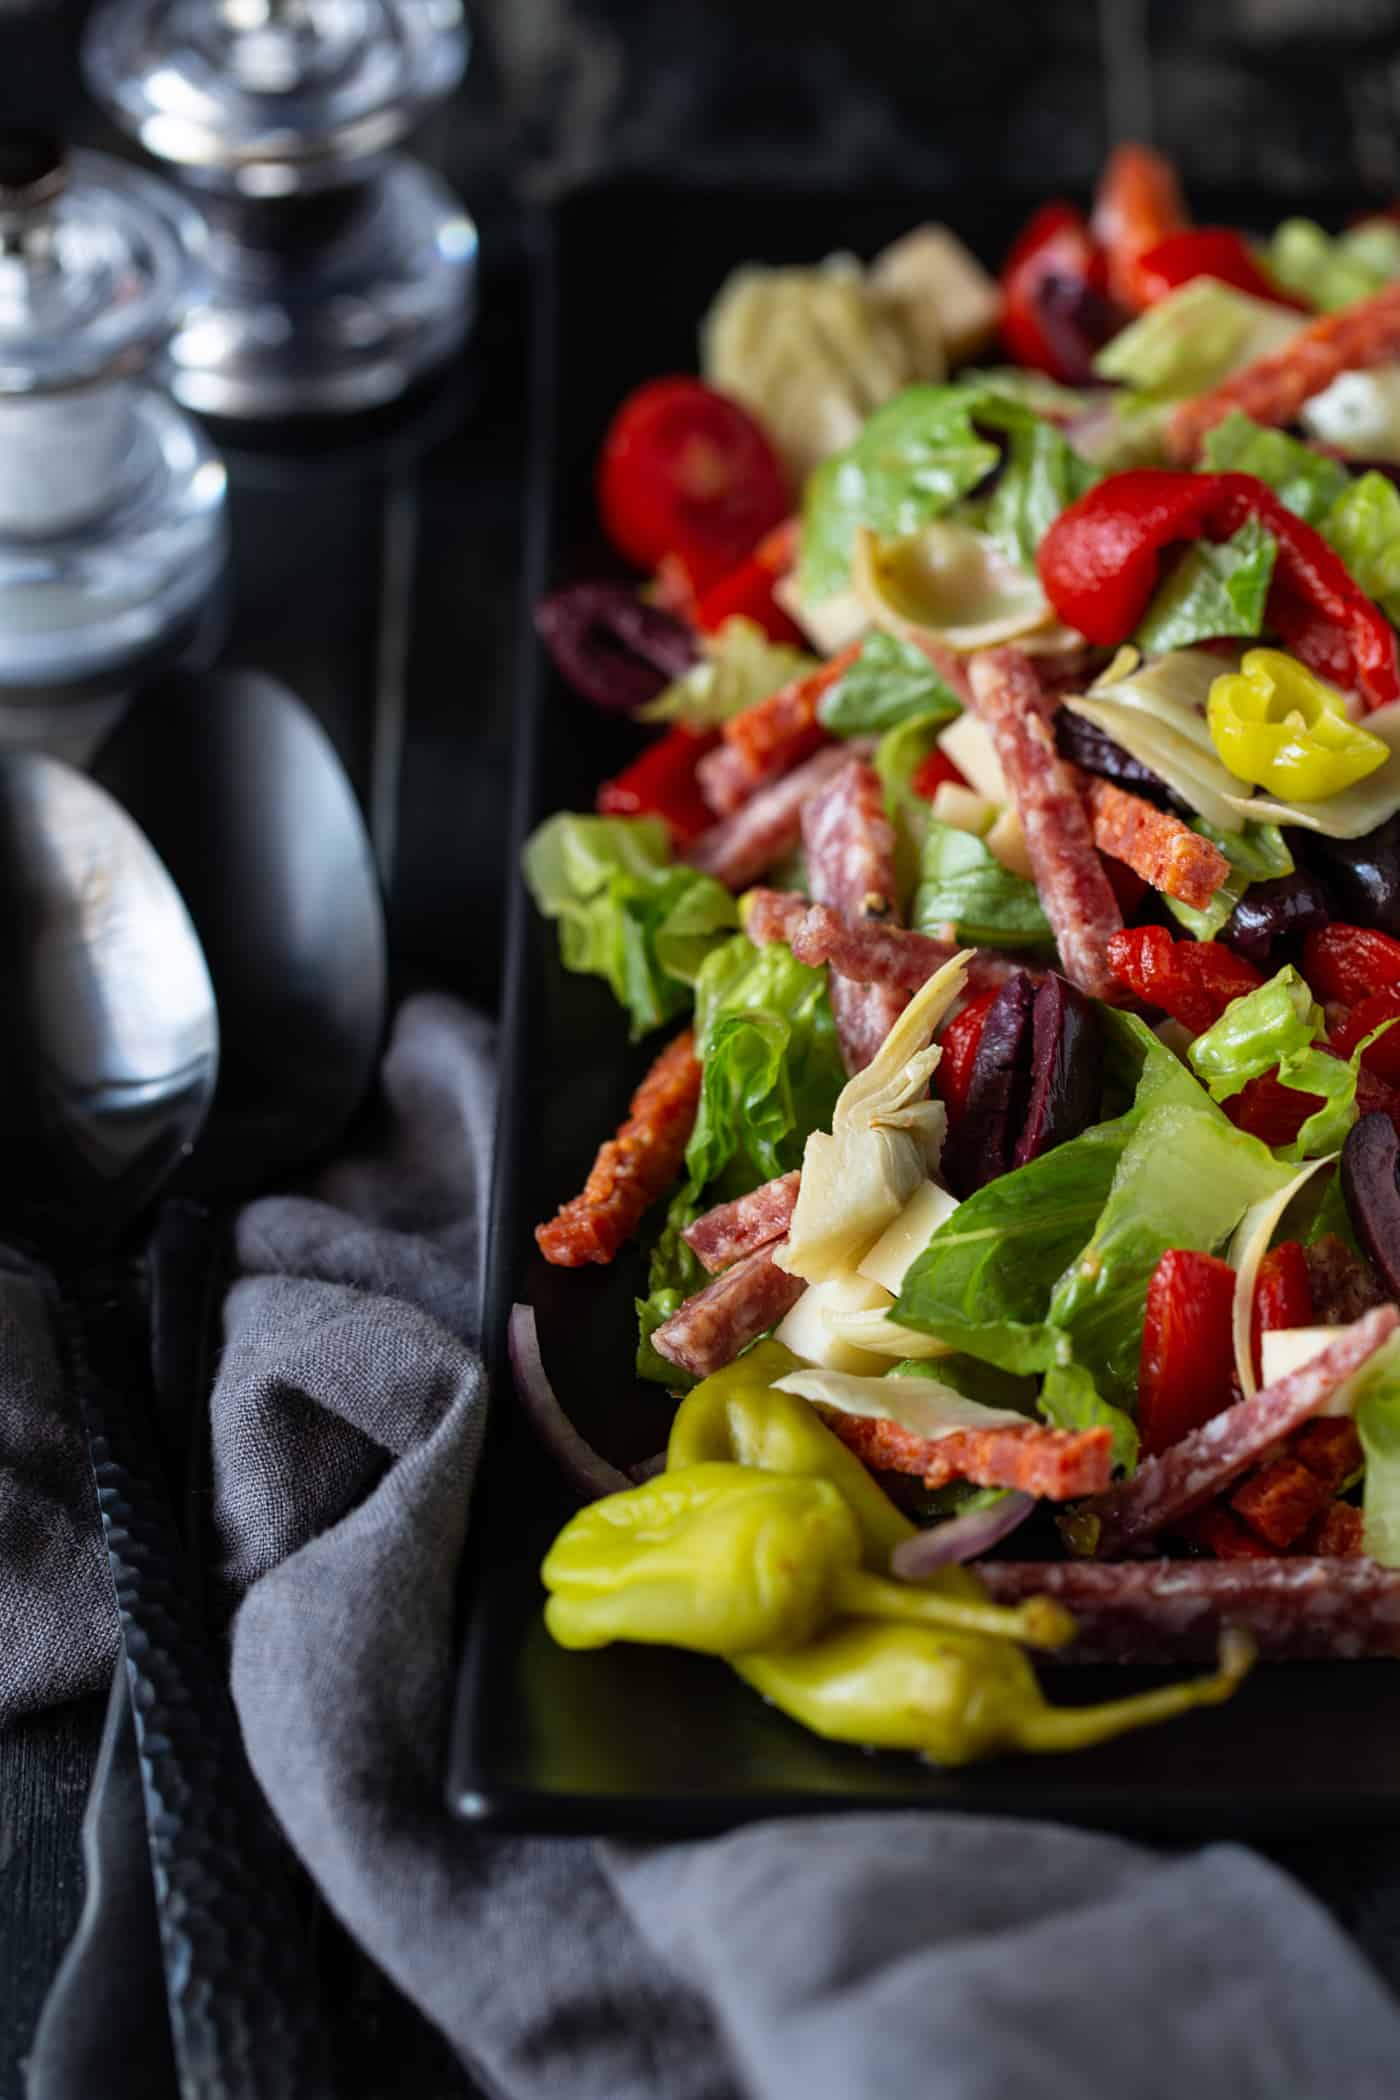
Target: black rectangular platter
point(630, 1739)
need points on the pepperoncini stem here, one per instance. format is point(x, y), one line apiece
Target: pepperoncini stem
point(1080, 1727)
point(1280, 727)
point(1039, 1622)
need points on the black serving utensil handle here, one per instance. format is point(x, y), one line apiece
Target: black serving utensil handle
point(240, 1983)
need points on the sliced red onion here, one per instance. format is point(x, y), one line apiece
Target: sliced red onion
point(961, 1538)
point(647, 1468)
point(577, 1460)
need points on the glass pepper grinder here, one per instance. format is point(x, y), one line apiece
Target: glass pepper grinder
point(341, 270)
point(112, 527)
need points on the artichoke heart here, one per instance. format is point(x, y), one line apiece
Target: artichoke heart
point(951, 582)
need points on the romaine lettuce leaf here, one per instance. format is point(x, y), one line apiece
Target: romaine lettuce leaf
point(1185, 1178)
point(772, 1070)
point(1333, 270)
point(740, 665)
point(1256, 854)
point(1376, 1393)
point(1363, 525)
point(891, 681)
point(1041, 476)
point(1217, 588)
point(1197, 335)
point(963, 884)
point(625, 911)
point(673, 1274)
point(1307, 481)
point(1069, 1399)
point(1332, 1216)
point(1276, 1026)
point(898, 757)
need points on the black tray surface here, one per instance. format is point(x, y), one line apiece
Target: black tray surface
point(631, 1739)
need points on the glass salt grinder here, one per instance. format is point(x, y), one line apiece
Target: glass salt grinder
point(112, 526)
point(340, 270)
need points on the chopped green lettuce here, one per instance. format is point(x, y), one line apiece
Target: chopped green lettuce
point(1217, 588)
point(1069, 1399)
point(1376, 1395)
point(673, 1274)
point(891, 681)
point(1333, 270)
point(963, 884)
point(898, 757)
point(1307, 481)
point(772, 1070)
point(740, 665)
point(1276, 1025)
point(1332, 1217)
point(1364, 527)
point(1041, 476)
point(1197, 335)
point(626, 911)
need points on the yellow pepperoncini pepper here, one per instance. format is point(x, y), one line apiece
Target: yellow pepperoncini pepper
point(728, 1560)
point(954, 1697)
point(1279, 726)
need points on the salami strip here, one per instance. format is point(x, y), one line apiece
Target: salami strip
point(634, 1167)
point(1074, 889)
point(1272, 389)
point(1168, 1611)
point(724, 780)
point(1183, 1479)
point(849, 845)
point(727, 1233)
point(1156, 845)
point(710, 1329)
point(778, 732)
point(1057, 1464)
point(741, 847)
point(869, 953)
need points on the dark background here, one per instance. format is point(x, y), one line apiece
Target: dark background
point(394, 602)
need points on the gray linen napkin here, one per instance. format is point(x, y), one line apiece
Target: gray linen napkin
point(866, 1956)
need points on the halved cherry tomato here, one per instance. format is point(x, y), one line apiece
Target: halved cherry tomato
point(662, 783)
point(1053, 282)
point(1348, 963)
point(930, 776)
point(958, 1043)
point(1205, 251)
point(1282, 1295)
point(1187, 1347)
point(747, 592)
point(1193, 981)
point(1139, 204)
point(686, 471)
point(1383, 1057)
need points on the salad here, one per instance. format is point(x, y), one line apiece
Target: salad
point(1009, 876)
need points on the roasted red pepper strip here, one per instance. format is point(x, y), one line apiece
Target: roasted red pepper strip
point(1187, 1350)
point(1348, 963)
point(1205, 251)
point(1383, 1057)
point(1138, 206)
point(747, 592)
point(935, 770)
point(662, 783)
point(1101, 559)
point(1055, 264)
point(958, 1043)
point(1282, 1296)
point(1193, 981)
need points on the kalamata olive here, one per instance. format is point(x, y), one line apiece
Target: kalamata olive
point(1086, 745)
point(1066, 1080)
point(979, 1145)
point(1360, 876)
point(610, 647)
point(1372, 1192)
point(1077, 322)
point(1284, 908)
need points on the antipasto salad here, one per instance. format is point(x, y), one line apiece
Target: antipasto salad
point(1010, 879)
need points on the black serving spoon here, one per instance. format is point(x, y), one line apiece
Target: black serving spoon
point(234, 780)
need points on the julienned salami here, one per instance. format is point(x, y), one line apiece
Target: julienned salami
point(727, 1233)
point(1168, 1611)
point(634, 1167)
point(849, 846)
point(1272, 389)
point(869, 953)
point(1156, 845)
point(724, 780)
point(710, 1329)
point(741, 847)
point(1057, 1464)
point(1193, 1472)
point(1074, 889)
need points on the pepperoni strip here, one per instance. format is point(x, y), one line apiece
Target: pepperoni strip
point(727, 1233)
point(1057, 1464)
point(1074, 889)
point(740, 848)
point(1166, 1611)
point(868, 953)
point(633, 1168)
point(1167, 853)
point(1272, 389)
point(1168, 1488)
point(849, 845)
point(780, 730)
point(710, 1329)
